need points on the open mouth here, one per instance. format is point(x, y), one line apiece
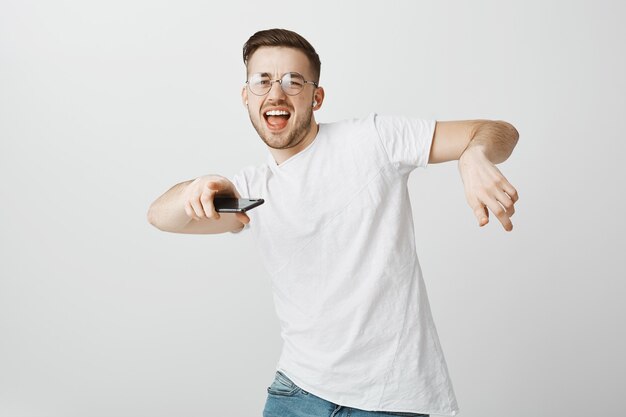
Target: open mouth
point(276, 119)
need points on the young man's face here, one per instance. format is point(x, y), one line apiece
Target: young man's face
point(281, 131)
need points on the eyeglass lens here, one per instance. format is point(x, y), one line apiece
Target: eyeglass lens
point(292, 83)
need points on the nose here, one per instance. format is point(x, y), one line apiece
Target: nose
point(276, 91)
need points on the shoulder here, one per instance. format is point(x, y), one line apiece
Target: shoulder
point(351, 122)
point(378, 122)
point(356, 126)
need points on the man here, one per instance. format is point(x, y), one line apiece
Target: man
point(336, 236)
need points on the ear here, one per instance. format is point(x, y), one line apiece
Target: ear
point(244, 96)
point(318, 98)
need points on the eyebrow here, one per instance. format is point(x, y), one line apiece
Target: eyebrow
point(268, 74)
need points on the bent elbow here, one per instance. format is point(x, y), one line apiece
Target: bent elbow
point(511, 131)
point(514, 133)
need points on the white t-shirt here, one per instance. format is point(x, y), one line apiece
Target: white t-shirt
point(336, 237)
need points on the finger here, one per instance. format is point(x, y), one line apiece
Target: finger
point(197, 207)
point(189, 211)
point(242, 217)
point(207, 204)
point(500, 213)
point(511, 191)
point(481, 213)
point(216, 185)
point(506, 201)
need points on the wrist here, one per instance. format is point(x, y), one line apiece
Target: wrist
point(473, 151)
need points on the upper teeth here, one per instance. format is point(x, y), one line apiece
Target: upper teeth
point(277, 113)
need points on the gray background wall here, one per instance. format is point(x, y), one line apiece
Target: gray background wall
point(105, 105)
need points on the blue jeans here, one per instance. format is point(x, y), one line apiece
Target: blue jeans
point(286, 399)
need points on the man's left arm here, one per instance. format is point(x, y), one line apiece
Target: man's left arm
point(478, 145)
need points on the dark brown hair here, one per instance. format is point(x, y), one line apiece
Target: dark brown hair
point(286, 38)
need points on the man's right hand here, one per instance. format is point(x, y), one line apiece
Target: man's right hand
point(199, 195)
point(188, 207)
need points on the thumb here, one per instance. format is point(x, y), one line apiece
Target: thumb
point(242, 217)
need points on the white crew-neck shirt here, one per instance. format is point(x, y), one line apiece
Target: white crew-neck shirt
point(337, 239)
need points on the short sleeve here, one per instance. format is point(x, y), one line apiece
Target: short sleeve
point(407, 141)
point(240, 183)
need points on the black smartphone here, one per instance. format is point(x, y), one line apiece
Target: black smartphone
point(235, 205)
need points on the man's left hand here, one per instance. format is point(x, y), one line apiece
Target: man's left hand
point(487, 189)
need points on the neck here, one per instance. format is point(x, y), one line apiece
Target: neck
point(281, 155)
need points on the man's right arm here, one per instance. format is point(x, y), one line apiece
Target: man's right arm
point(188, 208)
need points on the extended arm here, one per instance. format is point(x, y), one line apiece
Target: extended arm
point(188, 208)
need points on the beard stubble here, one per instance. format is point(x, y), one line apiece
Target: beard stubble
point(294, 137)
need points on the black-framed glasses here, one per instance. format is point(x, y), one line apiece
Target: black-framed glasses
point(292, 83)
